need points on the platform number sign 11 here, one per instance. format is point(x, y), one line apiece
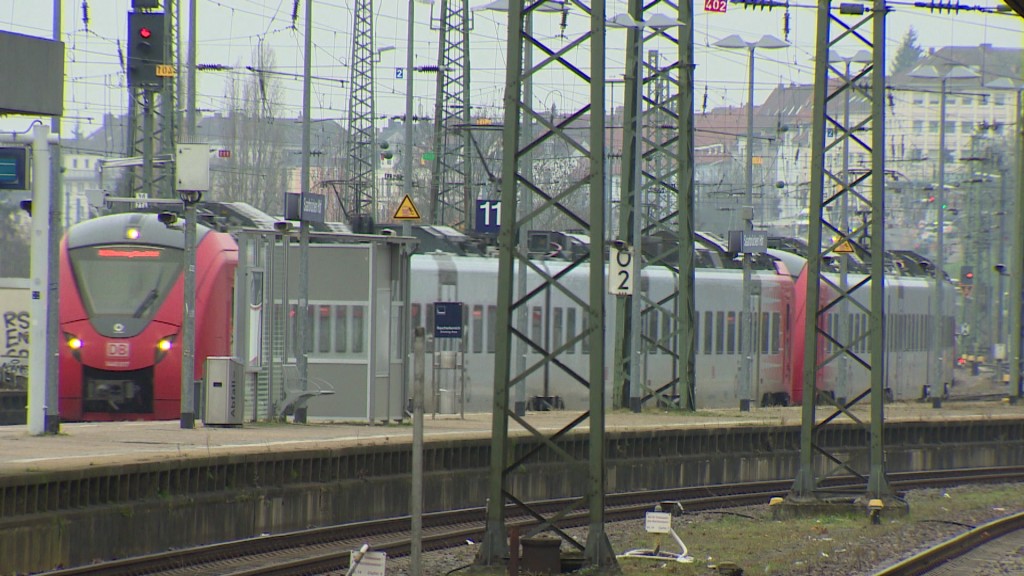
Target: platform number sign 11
point(620, 271)
point(715, 5)
point(488, 216)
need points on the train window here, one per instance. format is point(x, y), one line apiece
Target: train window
point(830, 330)
point(776, 323)
point(478, 329)
point(708, 348)
point(666, 330)
point(429, 318)
point(341, 329)
point(125, 280)
point(730, 341)
point(865, 327)
point(358, 322)
point(720, 332)
point(323, 329)
point(695, 334)
point(492, 321)
point(742, 321)
point(556, 328)
point(652, 330)
point(536, 323)
point(766, 330)
point(417, 318)
point(293, 329)
point(570, 328)
point(585, 328)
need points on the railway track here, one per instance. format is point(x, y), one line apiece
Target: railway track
point(1001, 538)
point(328, 549)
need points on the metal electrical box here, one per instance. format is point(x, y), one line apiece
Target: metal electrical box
point(222, 382)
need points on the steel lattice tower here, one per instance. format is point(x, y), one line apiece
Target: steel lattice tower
point(450, 181)
point(829, 230)
point(581, 130)
point(154, 110)
point(360, 196)
point(657, 205)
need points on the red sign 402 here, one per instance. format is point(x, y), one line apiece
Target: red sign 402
point(715, 5)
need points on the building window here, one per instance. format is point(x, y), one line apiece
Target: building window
point(918, 126)
point(933, 126)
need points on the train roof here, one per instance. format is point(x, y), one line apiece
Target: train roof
point(115, 229)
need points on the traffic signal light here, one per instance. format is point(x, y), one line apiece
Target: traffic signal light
point(145, 49)
point(966, 275)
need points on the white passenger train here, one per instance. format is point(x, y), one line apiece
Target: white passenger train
point(552, 318)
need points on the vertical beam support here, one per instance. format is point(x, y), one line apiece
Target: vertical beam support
point(451, 200)
point(657, 202)
point(1016, 268)
point(187, 419)
point(494, 547)
point(570, 202)
point(686, 303)
point(58, 205)
point(878, 485)
point(806, 480)
point(302, 324)
point(41, 407)
point(168, 114)
point(361, 196)
point(824, 294)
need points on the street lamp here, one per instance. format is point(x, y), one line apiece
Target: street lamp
point(654, 22)
point(955, 73)
point(770, 42)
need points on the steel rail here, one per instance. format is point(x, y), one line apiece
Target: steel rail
point(956, 547)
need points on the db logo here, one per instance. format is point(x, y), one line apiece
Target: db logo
point(118, 349)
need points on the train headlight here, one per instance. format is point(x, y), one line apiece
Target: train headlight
point(163, 347)
point(132, 233)
point(74, 344)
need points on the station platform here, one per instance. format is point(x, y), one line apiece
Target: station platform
point(87, 445)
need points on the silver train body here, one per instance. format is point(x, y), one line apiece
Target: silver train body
point(460, 372)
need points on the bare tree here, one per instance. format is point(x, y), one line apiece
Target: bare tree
point(257, 170)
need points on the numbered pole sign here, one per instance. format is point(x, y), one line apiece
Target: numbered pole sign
point(488, 216)
point(620, 271)
point(715, 6)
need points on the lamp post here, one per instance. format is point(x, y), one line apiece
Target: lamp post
point(955, 73)
point(770, 42)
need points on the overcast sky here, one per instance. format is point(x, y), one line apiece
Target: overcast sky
point(230, 30)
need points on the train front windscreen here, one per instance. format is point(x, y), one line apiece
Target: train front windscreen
point(124, 281)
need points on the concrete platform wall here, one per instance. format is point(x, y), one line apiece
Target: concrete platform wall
point(72, 518)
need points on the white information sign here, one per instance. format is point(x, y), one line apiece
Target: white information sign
point(620, 271)
point(372, 564)
point(658, 522)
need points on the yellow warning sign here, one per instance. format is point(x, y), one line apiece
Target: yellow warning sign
point(844, 248)
point(406, 210)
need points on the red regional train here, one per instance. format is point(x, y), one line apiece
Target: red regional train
point(121, 292)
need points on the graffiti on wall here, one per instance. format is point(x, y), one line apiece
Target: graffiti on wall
point(14, 329)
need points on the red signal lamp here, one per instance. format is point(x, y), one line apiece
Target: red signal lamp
point(145, 33)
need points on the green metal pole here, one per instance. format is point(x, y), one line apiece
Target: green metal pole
point(878, 486)
point(805, 482)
